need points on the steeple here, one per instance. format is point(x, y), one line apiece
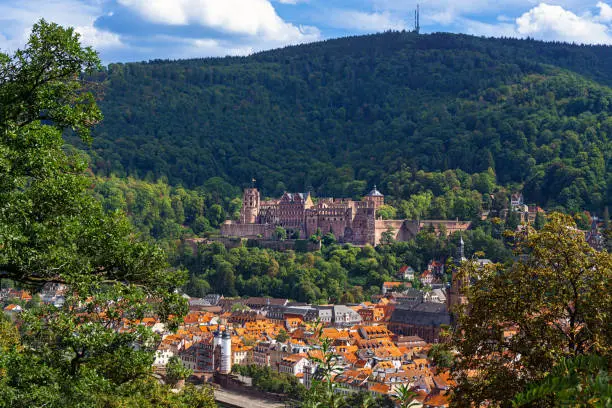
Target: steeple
point(459, 285)
point(460, 251)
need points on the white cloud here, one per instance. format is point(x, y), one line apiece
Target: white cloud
point(443, 17)
point(489, 30)
point(452, 14)
point(550, 22)
point(79, 14)
point(605, 12)
point(469, 7)
point(176, 48)
point(245, 17)
point(98, 39)
point(361, 21)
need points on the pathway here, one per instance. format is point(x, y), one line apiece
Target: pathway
point(235, 399)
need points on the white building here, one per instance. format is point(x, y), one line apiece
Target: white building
point(163, 354)
point(295, 365)
point(345, 316)
point(406, 273)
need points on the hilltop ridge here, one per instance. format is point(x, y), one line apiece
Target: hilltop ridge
point(336, 116)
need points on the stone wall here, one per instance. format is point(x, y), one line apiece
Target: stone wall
point(451, 226)
point(403, 230)
point(233, 229)
point(299, 245)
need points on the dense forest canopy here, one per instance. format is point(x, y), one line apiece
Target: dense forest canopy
point(335, 116)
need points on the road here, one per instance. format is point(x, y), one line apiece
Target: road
point(243, 401)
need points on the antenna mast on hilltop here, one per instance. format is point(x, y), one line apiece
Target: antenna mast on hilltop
point(417, 18)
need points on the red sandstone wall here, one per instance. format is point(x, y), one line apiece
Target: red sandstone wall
point(230, 229)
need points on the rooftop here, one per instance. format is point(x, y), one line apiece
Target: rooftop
point(375, 193)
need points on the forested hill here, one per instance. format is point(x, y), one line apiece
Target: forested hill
point(336, 116)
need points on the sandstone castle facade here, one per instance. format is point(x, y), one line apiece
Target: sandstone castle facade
point(349, 220)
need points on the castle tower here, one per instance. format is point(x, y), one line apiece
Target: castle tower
point(250, 206)
point(375, 197)
point(226, 353)
point(458, 285)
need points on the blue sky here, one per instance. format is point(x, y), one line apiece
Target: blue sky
point(136, 30)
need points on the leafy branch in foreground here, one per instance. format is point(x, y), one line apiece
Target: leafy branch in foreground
point(92, 351)
point(552, 304)
point(581, 381)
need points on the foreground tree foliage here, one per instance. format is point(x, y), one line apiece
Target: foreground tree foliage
point(552, 304)
point(338, 273)
point(52, 230)
point(581, 381)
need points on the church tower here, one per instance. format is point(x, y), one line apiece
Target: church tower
point(250, 206)
point(458, 285)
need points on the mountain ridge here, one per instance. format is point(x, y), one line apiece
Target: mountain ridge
point(338, 115)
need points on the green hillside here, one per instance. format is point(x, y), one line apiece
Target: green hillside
point(394, 109)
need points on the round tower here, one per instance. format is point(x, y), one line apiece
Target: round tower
point(250, 206)
point(226, 353)
point(216, 338)
point(375, 197)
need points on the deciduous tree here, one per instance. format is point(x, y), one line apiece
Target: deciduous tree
point(552, 303)
point(53, 230)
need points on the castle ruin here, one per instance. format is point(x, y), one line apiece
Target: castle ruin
point(349, 220)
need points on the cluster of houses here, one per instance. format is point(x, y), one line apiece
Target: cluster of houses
point(286, 336)
point(380, 345)
point(50, 294)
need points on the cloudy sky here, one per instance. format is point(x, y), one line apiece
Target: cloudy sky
point(136, 30)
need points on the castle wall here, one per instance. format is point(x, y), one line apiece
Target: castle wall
point(335, 220)
point(364, 226)
point(451, 226)
point(403, 230)
point(233, 229)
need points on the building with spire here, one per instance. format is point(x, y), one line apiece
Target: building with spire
point(459, 283)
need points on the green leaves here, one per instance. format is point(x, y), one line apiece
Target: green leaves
point(582, 381)
point(175, 371)
point(42, 81)
point(552, 303)
point(92, 351)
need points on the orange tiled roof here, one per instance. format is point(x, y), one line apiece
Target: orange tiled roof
point(384, 365)
point(316, 354)
point(294, 358)
point(390, 285)
point(436, 401)
point(380, 388)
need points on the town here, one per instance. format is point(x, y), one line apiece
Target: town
point(426, 224)
point(378, 346)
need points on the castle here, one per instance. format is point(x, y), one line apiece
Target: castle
point(349, 220)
